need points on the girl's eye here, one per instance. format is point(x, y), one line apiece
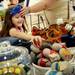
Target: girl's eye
point(17, 16)
point(22, 16)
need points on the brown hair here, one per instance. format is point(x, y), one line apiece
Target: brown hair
point(8, 24)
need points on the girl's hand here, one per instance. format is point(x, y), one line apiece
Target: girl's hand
point(37, 41)
point(24, 10)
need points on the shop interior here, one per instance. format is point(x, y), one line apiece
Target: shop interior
point(37, 43)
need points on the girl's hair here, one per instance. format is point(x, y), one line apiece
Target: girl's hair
point(19, 1)
point(1, 0)
point(8, 24)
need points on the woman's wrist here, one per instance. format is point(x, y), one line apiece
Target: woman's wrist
point(27, 10)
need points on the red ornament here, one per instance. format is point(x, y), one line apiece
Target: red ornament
point(42, 62)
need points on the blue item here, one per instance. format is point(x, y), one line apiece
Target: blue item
point(17, 42)
point(9, 56)
point(57, 66)
point(15, 10)
point(27, 3)
point(53, 73)
point(69, 40)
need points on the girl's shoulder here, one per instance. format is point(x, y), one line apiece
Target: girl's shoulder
point(12, 31)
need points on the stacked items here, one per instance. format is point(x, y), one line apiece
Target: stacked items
point(10, 56)
point(57, 33)
point(51, 34)
point(12, 70)
point(61, 68)
point(55, 56)
point(48, 54)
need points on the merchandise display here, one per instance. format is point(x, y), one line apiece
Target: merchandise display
point(51, 34)
point(12, 70)
point(59, 53)
point(40, 50)
point(64, 67)
point(63, 33)
point(57, 57)
point(65, 54)
point(51, 54)
point(35, 49)
point(54, 73)
point(10, 55)
point(57, 46)
point(14, 60)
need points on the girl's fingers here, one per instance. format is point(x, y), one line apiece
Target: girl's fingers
point(37, 41)
point(23, 10)
point(40, 41)
point(34, 42)
point(43, 39)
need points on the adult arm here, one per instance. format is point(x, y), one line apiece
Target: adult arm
point(42, 5)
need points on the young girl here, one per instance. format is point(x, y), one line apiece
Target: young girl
point(14, 26)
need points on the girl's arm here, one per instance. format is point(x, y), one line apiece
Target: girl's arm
point(14, 33)
point(36, 40)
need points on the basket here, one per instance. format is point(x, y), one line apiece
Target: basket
point(38, 70)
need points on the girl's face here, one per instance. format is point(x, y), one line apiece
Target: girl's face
point(17, 20)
